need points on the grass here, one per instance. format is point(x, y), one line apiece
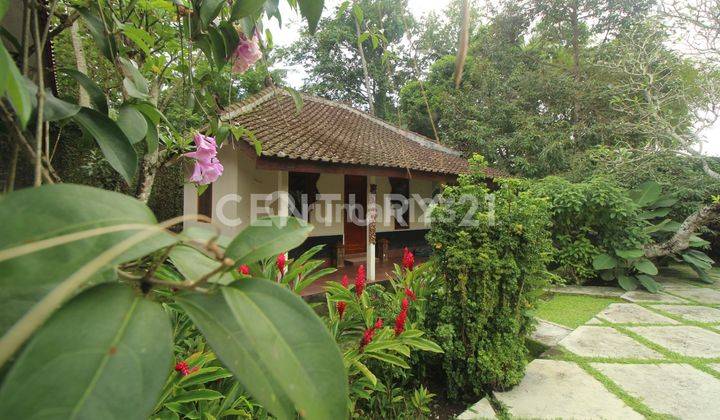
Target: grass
point(572, 311)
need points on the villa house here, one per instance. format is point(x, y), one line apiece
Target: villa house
point(320, 162)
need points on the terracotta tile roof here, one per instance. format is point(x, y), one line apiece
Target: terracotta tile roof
point(330, 131)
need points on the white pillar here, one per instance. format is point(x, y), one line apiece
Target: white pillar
point(371, 227)
point(283, 195)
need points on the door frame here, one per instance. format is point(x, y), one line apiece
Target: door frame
point(363, 202)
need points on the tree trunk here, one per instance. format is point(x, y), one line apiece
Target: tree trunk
point(463, 40)
point(80, 63)
point(366, 73)
point(680, 241)
point(574, 22)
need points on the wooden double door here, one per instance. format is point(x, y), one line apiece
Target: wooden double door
point(355, 230)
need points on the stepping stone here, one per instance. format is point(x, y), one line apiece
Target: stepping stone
point(481, 410)
point(622, 313)
point(549, 333)
point(647, 297)
point(693, 313)
point(594, 321)
point(558, 389)
point(676, 390)
point(700, 294)
point(686, 340)
point(602, 291)
point(590, 341)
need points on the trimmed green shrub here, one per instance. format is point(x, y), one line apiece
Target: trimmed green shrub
point(491, 275)
point(589, 218)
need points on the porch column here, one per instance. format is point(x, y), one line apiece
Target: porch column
point(371, 217)
point(283, 195)
point(283, 198)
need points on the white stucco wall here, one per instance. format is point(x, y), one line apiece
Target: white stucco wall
point(233, 190)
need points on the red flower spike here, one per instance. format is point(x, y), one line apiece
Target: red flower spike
point(281, 259)
point(409, 293)
point(360, 281)
point(378, 324)
point(244, 270)
point(408, 260)
point(180, 366)
point(400, 322)
point(405, 304)
point(367, 338)
point(340, 306)
point(345, 281)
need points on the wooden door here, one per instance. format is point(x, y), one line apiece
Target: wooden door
point(355, 234)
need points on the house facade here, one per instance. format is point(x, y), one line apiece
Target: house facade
point(366, 186)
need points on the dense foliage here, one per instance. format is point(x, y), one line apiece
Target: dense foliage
point(491, 276)
point(589, 218)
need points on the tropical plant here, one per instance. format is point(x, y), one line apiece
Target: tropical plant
point(101, 258)
point(491, 257)
point(377, 331)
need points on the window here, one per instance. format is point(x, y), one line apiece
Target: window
point(302, 184)
point(205, 202)
point(400, 201)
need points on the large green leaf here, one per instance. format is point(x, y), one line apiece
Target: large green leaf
point(311, 10)
point(193, 264)
point(268, 237)
point(209, 9)
point(52, 211)
point(646, 194)
point(604, 262)
point(629, 254)
point(645, 266)
point(219, 49)
point(648, 283)
point(275, 345)
point(95, 25)
point(14, 87)
point(134, 83)
point(112, 141)
point(54, 109)
point(627, 282)
point(132, 123)
point(655, 213)
point(97, 96)
point(104, 355)
point(241, 9)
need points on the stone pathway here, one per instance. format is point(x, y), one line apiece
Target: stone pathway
point(657, 355)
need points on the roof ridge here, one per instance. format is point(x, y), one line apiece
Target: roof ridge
point(250, 103)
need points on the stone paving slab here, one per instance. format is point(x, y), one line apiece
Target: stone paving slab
point(594, 321)
point(686, 340)
point(715, 366)
point(677, 390)
point(693, 313)
point(647, 297)
point(591, 341)
point(602, 291)
point(559, 389)
point(699, 294)
point(549, 333)
point(619, 313)
point(481, 410)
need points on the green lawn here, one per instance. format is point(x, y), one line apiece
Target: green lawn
point(571, 311)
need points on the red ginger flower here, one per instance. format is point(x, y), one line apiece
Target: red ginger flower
point(344, 281)
point(340, 306)
point(244, 270)
point(401, 318)
point(360, 281)
point(281, 259)
point(378, 324)
point(409, 293)
point(182, 367)
point(408, 259)
point(367, 338)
